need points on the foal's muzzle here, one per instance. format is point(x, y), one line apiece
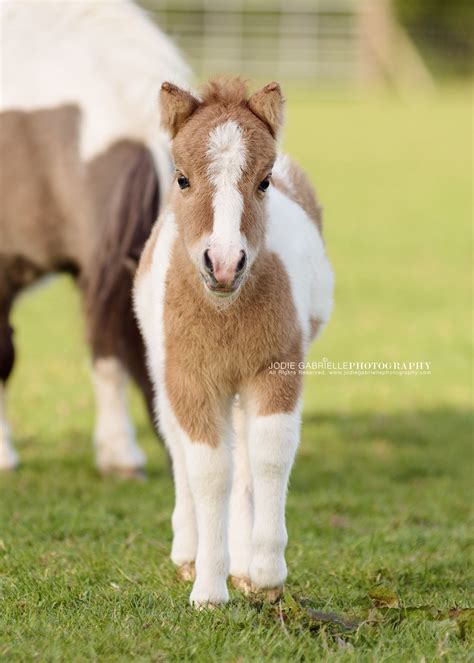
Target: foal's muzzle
point(223, 275)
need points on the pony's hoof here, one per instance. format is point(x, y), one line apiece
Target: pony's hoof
point(267, 594)
point(9, 460)
point(5, 469)
point(209, 596)
point(242, 583)
point(124, 473)
point(205, 605)
point(187, 572)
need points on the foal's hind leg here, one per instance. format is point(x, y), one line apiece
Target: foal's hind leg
point(183, 550)
point(117, 451)
point(8, 455)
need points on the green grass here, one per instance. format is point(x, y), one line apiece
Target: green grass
point(381, 491)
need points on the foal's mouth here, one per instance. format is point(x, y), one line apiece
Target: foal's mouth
point(217, 290)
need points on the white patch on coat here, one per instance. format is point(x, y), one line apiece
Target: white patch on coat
point(114, 437)
point(107, 58)
point(294, 237)
point(227, 157)
point(8, 455)
point(149, 296)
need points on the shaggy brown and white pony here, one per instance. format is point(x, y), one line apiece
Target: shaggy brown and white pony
point(233, 279)
point(83, 166)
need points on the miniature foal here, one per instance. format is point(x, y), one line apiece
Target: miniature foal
point(233, 278)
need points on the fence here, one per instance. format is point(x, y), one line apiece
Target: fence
point(301, 39)
point(307, 40)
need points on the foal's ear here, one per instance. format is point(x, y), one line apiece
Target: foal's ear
point(267, 104)
point(176, 106)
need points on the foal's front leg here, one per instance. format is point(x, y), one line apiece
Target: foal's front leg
point(241, 502)
point(273, 440)
point(209, 477)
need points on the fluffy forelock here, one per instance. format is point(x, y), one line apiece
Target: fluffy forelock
point(225, 91)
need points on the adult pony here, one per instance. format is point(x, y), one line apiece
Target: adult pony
point(84, 165)
point(233, 281)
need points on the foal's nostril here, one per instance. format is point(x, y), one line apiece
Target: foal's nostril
point(208, 262)
point(241, 263)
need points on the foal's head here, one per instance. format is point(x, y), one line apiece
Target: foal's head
point(224, 146)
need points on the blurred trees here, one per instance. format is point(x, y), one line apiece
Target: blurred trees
point(443, 30)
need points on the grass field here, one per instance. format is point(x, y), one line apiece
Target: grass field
point(378, 509)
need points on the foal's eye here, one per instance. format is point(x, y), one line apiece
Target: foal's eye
point(264, 184)
point(183, 182)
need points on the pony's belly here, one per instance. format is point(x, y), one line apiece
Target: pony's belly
point(45, 210)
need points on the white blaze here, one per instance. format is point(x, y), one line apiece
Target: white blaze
point(227, 157)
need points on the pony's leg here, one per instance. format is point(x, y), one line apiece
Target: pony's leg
point(8, 455)
point(116, 447)
point(205, 431)
point(202, 474)
point(273, 440)
point(209, 474)
point(241, 503)
point(183, 520)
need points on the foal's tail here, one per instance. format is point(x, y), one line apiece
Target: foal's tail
point(127, 199)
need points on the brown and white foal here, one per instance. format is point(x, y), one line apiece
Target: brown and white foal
point(234, 278)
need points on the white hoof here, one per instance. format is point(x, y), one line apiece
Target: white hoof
point(126, 473)
point(187, 572)
point(209, 595)
point(119, 454)
point(8, 456)
point(268, 571)
point(242, 583)
point(268, 594)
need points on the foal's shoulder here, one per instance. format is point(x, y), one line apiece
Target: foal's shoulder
point(289, 178)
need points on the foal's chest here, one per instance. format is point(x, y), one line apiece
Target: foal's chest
point(237, 340)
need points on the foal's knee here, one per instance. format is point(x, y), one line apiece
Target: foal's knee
point(208, 469)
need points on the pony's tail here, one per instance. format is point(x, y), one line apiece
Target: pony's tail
point(127, 200)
